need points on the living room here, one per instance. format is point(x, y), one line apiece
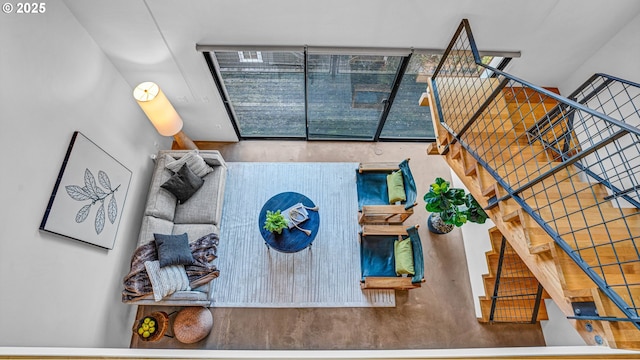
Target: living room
point(70, 69)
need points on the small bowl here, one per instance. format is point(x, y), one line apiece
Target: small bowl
point(160, 318)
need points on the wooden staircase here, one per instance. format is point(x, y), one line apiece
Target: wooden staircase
point(517, 286)
point(563, 280)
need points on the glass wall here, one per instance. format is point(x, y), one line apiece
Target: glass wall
point(347, 94)
point(407, 119)
point(266, 91)
point(324, 94)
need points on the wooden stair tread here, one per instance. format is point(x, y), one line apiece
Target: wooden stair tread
point(517, 267)
point(456, 151)
point(540, 248)
point(567, 188)
point(495, 236)
point(517, 94)
point(512, 216)
point(512, 310)
point(576, 283)
point(510, 285)
point(591, 224)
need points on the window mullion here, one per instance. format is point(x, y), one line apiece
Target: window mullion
point(394, 90)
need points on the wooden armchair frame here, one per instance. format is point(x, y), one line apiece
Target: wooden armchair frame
point(396, 282)
point(385, 214)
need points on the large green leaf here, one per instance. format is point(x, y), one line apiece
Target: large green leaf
point(475, 213)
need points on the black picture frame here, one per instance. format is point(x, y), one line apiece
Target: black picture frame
point(89, 195)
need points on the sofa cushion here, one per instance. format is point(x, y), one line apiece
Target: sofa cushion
point(160, 203)
point(202, 207)
point(195, 231)
point(173, 249)
point(179, 298)
point(193, 160)
point(166, 280)
point(183, 184)
point(151, 225)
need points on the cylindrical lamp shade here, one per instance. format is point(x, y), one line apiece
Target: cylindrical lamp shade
point(158, 108)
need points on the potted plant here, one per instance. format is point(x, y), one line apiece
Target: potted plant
point(451, 207)
point(275, 222)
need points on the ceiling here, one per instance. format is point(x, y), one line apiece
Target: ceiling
point(154, 40)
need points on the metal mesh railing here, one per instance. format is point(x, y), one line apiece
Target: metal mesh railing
point(517, 294)
point(571, 163)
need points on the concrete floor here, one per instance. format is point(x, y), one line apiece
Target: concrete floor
point(439, 315)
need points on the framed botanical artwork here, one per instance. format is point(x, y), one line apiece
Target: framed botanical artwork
point(89, 195)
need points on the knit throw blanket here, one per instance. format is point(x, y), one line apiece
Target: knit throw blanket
point(137, 283)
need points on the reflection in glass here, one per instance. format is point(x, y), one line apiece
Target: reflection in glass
point(347, 94)
point(407, 119)
point(266, 90)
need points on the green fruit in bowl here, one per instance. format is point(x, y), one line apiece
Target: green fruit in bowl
point(146, 327)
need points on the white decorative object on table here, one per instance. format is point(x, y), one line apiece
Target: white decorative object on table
point(295, 215)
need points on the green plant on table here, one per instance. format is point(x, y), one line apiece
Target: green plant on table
point(275, 222)
point(454, 206)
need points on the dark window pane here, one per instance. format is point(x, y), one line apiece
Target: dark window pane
point(407, 119)
point(346, 94)
point(266, 90)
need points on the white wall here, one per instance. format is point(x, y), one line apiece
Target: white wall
point(476, 244)
point(557, 331)
point(618, 57)
point(143, 49)
point(55, 80)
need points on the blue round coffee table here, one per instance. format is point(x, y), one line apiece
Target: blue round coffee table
point(291, 240)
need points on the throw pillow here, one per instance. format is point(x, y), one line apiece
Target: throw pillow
point(166, 280)
point(403, 254)
point(183, 184)
point(395, 187)
point(194, 161)
point(173, 250)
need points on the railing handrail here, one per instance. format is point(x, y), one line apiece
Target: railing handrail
point(628, 82)
point(591, 79)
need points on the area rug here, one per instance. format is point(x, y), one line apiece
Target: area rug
point(327, 274)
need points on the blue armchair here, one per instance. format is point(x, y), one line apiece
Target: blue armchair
point(373, 198)
point(377, 260)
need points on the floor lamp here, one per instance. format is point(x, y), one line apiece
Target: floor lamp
point(161, 113)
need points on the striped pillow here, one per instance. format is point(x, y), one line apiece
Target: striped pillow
point(167, 280)
point(194, 161)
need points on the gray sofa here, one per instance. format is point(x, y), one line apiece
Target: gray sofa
point(198, 216)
